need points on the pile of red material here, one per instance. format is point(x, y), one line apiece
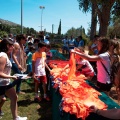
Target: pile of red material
point(77, 95)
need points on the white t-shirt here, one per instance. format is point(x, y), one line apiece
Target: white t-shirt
point(47, 41)
point(7, 70)
point(88, 69)
point(102, 75)
point(39, 59)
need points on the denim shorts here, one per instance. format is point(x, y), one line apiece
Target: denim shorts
point(3, 89)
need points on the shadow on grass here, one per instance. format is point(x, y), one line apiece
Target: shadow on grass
point(45, 111)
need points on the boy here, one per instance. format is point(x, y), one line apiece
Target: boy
point(38, 68)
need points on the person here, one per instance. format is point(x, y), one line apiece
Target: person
point(71, 43)
point(27, 48)
point(2, 101)
point(36, 41)
point(46, 40)
point(103, 79)
point(29, 59)
point(6, 88)
point(10, 36)
point(76, 42)
point(19, 61)
point(84, 66)
point(81, 42)
point(92, 50)
point(110, 113)
point(65, 48)
point(38, 69)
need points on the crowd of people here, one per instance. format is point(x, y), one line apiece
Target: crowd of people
point(23, 54)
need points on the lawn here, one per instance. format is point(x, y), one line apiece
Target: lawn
point(27, 106)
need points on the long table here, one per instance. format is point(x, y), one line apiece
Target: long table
point(57, 115)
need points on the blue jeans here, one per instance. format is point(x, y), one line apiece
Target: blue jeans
point(18, 81)
point(29, 68)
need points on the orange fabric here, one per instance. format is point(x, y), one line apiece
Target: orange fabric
point(77, 95)
point(72, 65)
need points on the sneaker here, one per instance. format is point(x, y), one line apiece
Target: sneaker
point(47, 98)
point(37, 99)
point(20, 118)
point(1, 113)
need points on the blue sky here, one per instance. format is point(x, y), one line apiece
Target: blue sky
point(66, 10)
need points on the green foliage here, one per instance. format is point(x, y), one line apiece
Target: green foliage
point(15, 29)
point(3, 33)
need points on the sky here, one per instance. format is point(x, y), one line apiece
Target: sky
point(66, 10)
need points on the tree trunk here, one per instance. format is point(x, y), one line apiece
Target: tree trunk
point(104, 22)
point(104, 16)
point(93, 22)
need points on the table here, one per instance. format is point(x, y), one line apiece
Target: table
point(56, 99)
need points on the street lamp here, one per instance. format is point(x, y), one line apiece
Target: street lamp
point(21, 16)
point(41, 7)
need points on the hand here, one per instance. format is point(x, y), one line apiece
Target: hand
point(14, 77)
point(51, 72)
point(20, 68)
point(34, 76)
point(93, 109)
point(73, 51)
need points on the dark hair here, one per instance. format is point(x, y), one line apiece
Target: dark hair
point(32, 48)
point(41, 44)
point(20, 37)
point(36, 40)
point(105, 44)
point(96, 37)
point(4, 43)
point(30, 43)
point(114, 43)
point(80, 37)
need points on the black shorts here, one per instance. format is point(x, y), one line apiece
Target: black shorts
point(3, 89)
point(104, 87)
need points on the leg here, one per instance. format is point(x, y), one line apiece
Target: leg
point(44, 85)
point(18, 82)
point(13, 105)
point(3, 99)
point(36, 98)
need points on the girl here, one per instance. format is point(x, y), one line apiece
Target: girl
point(103, 79)
point(6, 88)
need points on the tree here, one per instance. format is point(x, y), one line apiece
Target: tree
point(59, 28)
point(102, 9)
point(86, 6)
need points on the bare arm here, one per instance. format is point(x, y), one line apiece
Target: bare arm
point(112, 114)
point(15, 59)
point(87, 57)
point(47, 66)
point(2, 67)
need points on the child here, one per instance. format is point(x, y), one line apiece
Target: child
point(38, 68)
point(29, 59)
point(83, 66)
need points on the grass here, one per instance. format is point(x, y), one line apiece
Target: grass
point(27, 106)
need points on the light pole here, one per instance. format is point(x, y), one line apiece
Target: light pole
point(41, 7)
point(21, 16)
